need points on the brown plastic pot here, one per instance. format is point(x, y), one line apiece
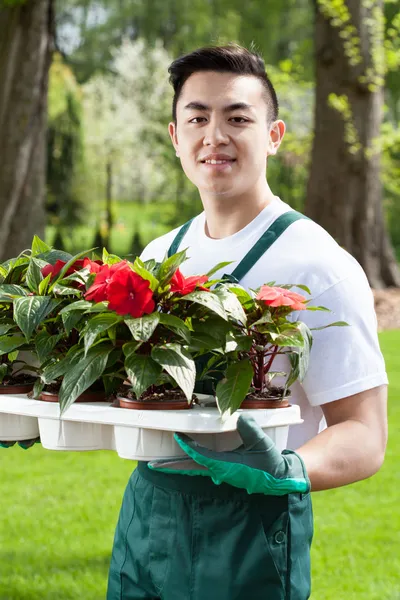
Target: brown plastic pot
point(267, 403)
point(153, 405)
point(19, 388)
point(87, 396)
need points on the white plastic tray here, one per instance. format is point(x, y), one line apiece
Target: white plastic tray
point(133, 434)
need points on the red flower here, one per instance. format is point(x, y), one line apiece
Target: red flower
point(129, 294)
point(98, 290)
point(185, 285)
point(94, 265)
point(277, 296)
point(56, 268)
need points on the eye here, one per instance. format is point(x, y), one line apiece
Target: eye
point(197, 120)
point(239, 120)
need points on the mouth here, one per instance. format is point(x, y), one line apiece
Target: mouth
point(224, 161)
point(218, 164)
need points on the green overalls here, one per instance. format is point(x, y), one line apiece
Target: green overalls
point(185, 538)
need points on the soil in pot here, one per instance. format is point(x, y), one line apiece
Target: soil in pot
point(18, 384)
point(271, 398)
point(93, 394)
point(163, 399)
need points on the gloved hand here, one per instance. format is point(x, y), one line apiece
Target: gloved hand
point(25, 444)
point(257, 466)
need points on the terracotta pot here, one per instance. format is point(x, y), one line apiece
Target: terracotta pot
point(19, 388)
point(87, 396)
point(153, 405)
point(267, 403)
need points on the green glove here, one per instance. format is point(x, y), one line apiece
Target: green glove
point(25, 444)
point(257, 466)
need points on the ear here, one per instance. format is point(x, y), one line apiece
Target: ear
point(173, 135)
point(276, 133)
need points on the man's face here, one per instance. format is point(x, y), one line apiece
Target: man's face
point(223, 133)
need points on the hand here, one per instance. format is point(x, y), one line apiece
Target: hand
point(25, 444)
point(257, 466)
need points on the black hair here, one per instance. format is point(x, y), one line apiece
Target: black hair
point(224, 59)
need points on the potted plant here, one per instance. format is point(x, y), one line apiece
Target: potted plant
point(149, 312)
point(267, 331)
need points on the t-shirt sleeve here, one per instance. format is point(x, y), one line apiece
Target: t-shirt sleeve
point(344, 360)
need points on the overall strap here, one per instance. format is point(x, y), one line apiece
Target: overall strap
point(261, 246)
point(173, 249)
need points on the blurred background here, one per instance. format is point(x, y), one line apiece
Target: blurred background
point(86, 161)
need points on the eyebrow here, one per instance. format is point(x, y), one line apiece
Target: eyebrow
point(226, 109)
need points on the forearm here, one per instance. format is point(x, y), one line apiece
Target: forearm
point(341, 454)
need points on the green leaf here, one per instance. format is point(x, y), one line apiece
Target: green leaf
point(6, 325)
point(37, 389)
point(8, 343)
point(231, 304)
point(3, 371)
point(12, 356)
point(70, 320)
point(85, 372)
point(57, 369)
point(233, 388)
point(44, 284)
point(336, 324)
point(207, 299)
point(131, 347)
point(8, 292)
point(150, 265)
point(143, 328)
point(314, 308)
point(300, 358)
point(69, 264)
point(110, 259)
point(217, 267)
point(238, 343)
point(45, 344)
point(169, 266)
point(78, 305)
point(243, 295)
point(289, 335)
point(34, 275)
point(63, 290)
point(139, 268)
point(52, 256)
point(39, 246)
point(176, 325)
point(142, 372)
point(209, 334)
point(97, 325)
point(31, 311)
point(266, 318)
point(179, 364)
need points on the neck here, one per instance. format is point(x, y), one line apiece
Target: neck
point(226, 215)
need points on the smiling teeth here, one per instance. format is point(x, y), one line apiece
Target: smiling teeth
point(216, 162)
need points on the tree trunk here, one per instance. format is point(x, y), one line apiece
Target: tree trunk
point(344, 189)
point(26, 41)
point(109, 215)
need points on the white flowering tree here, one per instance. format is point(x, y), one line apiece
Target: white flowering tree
point(125, 121)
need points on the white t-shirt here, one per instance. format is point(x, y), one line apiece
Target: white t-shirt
point(343, 360)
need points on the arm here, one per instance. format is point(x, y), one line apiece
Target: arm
point(353, 446)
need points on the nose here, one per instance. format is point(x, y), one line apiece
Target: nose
point(215, 134)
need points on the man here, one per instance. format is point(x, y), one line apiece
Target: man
point(187, 538)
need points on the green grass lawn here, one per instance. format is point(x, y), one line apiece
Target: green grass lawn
point(149, 220)
point(58, 512)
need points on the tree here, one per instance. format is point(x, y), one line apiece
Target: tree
point(26, 33)
point(344, 189)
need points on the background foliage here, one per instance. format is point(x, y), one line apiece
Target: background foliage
point(110, 78)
